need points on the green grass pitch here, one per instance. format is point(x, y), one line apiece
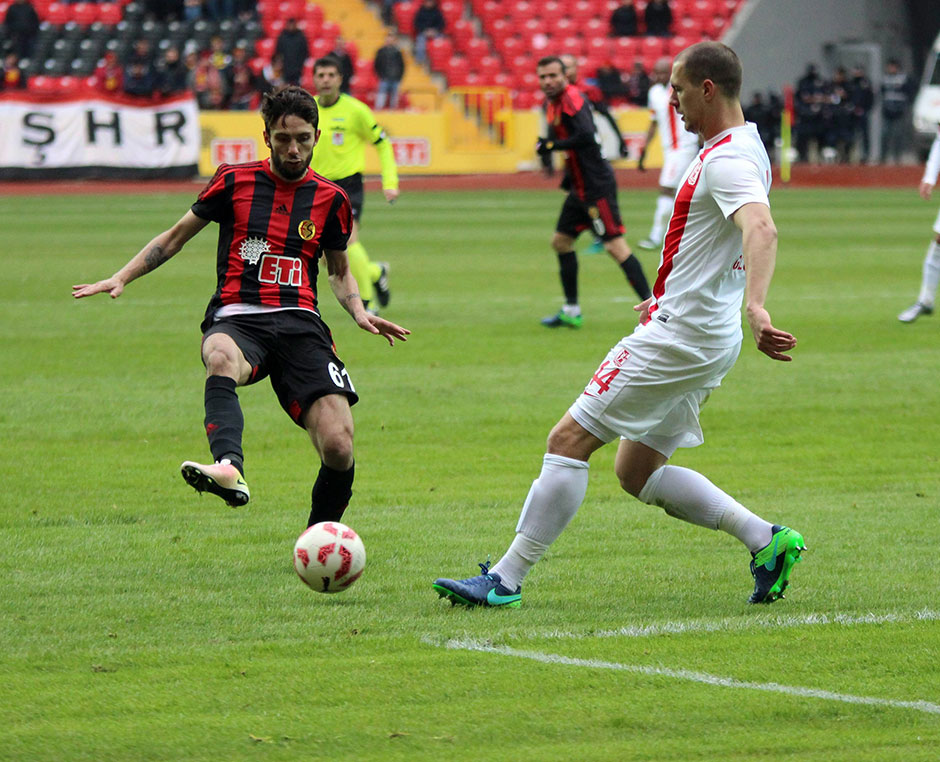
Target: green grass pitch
point(143, 622)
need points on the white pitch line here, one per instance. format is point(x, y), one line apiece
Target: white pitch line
point(736, 624)
point(697, 677)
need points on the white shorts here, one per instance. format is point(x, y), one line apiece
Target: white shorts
point(675, 163)
point(650, 389)
point(936, 224)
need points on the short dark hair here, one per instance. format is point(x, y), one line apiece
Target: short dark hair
point(288, 100)
point(714, 61)
point(548, 60)
point(328, 61)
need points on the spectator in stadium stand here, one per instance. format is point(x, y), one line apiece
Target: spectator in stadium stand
point(192, 10)
point(389, 65)
point(243, 87)
point(638, 85)
point(208, 84)
point(21, 26)
point(388, 12)
point(139, 80)
point(293, 49)
point(862, 96)
point(610, 82)
point(759, 112)
point(273, 74)
point(220, 59)
point(109, 74)
point(623, 20)
point(658, 17)
point(897, 92)
point(140, 53)
point(219, 10)
point(163, 10)
point(346, 68)
point(13, 76)
point(428, 22)
point(172, 74)
point(810, 128)
point(842, 124)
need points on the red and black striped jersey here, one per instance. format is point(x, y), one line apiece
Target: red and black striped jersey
point(571, 126)
point(271, 234)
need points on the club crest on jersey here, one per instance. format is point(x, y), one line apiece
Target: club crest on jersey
point(337, 138)
point(696, 170)
point(252, 249)
point(306, 229)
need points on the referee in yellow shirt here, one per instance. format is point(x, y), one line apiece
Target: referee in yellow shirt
point(346, 125)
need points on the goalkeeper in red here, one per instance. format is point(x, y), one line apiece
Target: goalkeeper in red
point(591, 203)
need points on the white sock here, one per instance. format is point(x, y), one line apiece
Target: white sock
point(687, 495)
point(571, 310)
point(553, 500)
point(661, 217)
point(928, 286)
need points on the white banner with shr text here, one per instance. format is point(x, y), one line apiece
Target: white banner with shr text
point(95, 136)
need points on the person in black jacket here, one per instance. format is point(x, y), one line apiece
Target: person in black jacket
point(623, 20)
point(428, 22)
point(21, 25)
point(389, 65)
point(658, 16)
point(293, 49)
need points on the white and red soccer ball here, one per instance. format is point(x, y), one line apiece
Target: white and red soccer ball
point(329, 557)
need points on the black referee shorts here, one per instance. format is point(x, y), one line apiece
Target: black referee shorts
point(354, 189)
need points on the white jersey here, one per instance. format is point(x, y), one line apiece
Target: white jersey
point(932, 168)
point(672, 133)
point(700, 282)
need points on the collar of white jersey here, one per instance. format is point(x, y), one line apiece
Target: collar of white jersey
point(747, 127)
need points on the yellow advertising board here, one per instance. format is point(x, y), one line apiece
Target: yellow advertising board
point(425, 143)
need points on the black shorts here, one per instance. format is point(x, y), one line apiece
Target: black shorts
point(294, 348)
point(601, 216)
point(354, 189)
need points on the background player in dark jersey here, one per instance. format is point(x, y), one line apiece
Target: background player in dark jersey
point(276, 218)
point(591, 185)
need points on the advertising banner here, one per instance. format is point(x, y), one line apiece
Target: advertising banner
point(89, 134)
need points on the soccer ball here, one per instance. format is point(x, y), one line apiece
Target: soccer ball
point(329, 557)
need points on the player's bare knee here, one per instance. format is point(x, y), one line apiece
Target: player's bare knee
point(632, 482)
point(220, 363)
point(336, 450)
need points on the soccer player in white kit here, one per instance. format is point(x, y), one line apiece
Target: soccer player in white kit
point(720, 247)
point(931, 270)
point(680, 147)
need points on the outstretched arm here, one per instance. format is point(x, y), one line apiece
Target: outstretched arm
point(149, 258)
point(760, 255)
point(346, 291)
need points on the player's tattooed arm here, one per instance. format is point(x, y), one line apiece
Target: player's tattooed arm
point(155, 257)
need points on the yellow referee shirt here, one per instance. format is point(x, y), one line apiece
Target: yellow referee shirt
point(345, 128)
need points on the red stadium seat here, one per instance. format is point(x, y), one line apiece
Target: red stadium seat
point(500, 29)
point(489, 66)
point(583, 11)
point(457, 69)
point(320, 47)
point(503, 79)
point(110, 13)
point(291, 9)
point(492, 9)
point(654, 46)
point(594, 27)
point(404, 15)
point(265, 48)
point(462, 32)
point(476, 48)
point(272, 27)
point(84, 14)
point(526, 99)
point(677, 45)
point(58, 14)
point(452, 11)
point(572, 45)
point(510, 47)
point(313, 13)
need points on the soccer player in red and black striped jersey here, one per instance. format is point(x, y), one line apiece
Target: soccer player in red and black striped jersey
point(591, 185)
point(276, 218)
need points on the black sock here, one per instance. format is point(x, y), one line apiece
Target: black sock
point(634, 271)
point(224, 421)
point(568, 269)
point(330, 494)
